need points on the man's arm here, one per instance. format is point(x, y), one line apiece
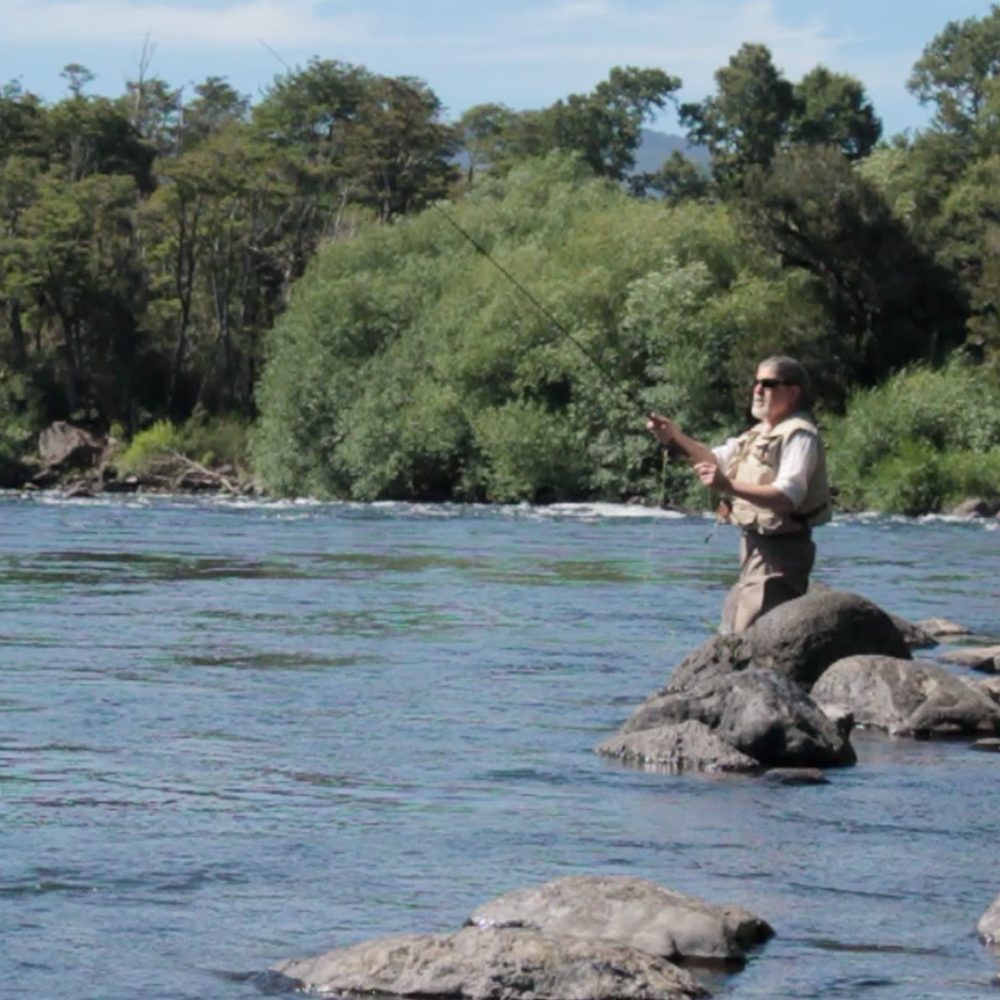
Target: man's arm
point(667, 432)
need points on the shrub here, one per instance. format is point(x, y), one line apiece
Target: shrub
point(923, 439)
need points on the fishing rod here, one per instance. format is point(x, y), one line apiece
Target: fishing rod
point(609, 380)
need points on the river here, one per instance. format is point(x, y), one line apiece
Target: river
point(235, 732)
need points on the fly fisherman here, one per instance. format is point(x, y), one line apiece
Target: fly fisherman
point(773, 484)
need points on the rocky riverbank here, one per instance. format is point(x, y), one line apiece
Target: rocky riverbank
point(76, 462)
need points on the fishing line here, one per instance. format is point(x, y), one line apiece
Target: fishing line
point(615, 384)
point(609, 380)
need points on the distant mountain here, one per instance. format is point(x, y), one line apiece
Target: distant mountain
point(659, 146)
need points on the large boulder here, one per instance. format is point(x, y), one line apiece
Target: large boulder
point(763, 714)
point(907, 697)
point(63, 446)
point(491, 963)
point(687, 746)
point(801, 638)
point(631, 912)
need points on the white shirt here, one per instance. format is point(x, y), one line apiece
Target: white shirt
point(798, 461)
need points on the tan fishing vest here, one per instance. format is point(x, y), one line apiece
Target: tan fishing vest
point(756, 460)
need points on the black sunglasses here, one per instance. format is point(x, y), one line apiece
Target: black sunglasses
point(768, 383)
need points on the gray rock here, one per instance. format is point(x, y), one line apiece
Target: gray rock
point(801, 638)
point(991, 744)
point(64, 446)
point(716, 657)
point(907, 697)
point(990, 686)
point(913, 634)
point(795, 776)
point(977, 507)
point(489, 964)
point(632, 912)
point(942, 628)
point(983, 658)
point(688, 746)
point(762, 714)
point(988, 927)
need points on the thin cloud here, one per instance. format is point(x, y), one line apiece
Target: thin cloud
point(234, 25)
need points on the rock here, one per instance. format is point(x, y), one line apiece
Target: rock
point(907, 697)
point(799, 638)
point(687, 746)
point(795, 776)
point(982, 658)
point(762, 714)
point(802, 637)
point(64, 446)
point(942, 628)
point(631, 912)
point(716, 657)
point(989, 686)
point(489, 964)
point(913, 635)
point(977, 507)
point(988, 927)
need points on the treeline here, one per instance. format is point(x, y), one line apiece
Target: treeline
point(409, 365)
point(289, 262)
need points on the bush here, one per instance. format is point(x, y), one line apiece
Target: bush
point(211, 443)
point(923, 439)
point(149, 448)
point(409, 366)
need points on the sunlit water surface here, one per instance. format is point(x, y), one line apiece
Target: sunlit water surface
point(235, 733)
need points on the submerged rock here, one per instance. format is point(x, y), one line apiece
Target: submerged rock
point(760, 713)
point(907, 697)
point(686, 746)
point(982, 658)
point(490, 963)
point(632, 912)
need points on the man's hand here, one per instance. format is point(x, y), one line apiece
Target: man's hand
point(663, 430)
point(713, 477)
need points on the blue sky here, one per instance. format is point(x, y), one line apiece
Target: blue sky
point(524, 53)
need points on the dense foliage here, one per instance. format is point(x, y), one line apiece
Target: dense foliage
point(194, 257)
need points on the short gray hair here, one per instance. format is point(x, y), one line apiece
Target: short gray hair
point(791, 372)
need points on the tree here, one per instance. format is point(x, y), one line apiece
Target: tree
point(604, 127)
point(833, 110)
point(958, 72)
point(747, 120)
point(677, 180)
point(890, 303)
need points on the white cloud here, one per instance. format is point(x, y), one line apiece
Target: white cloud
point(239, 24)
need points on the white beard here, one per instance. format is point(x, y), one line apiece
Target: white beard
point(759, 408)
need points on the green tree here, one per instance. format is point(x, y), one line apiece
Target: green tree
point(958, 72)
point(747, 120)
point(833, 110)
point(889, 301)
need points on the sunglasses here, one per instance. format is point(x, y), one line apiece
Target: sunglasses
point(768, 383)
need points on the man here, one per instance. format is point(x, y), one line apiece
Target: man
point(773, 483)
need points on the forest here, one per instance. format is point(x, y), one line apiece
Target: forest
point(346, 295)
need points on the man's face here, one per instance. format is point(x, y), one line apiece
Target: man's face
point(773, 399)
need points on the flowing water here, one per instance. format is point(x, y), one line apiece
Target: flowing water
point(236, 733)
